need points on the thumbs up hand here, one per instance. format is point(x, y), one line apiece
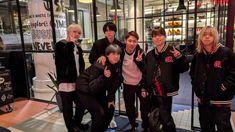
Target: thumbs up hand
point(107, 72)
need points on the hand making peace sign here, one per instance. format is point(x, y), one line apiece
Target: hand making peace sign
point(175, 52)
point(139, 56)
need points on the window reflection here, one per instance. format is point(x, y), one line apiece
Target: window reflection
point(9, 27)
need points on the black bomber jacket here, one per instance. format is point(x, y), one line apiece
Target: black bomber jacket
point(209, 71)
point(165, 68)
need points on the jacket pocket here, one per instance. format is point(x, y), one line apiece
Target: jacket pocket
point(223, 95)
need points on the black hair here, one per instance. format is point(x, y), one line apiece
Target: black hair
point(111, 26)
point(158, 31)
point(112, 48)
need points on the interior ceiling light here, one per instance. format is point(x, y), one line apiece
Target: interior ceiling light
point(85, 1)
point(181, 5)
point(114, 6)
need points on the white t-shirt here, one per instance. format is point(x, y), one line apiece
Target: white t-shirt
point(130, 71)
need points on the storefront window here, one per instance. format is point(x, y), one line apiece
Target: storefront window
point(182, 27)
point(9, 26)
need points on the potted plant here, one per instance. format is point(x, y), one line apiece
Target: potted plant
point(55, 88)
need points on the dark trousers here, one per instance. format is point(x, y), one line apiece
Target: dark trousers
point(101, 115)
point(67, 103)
point(211, 116)
point(164, 104)
point(129, 93)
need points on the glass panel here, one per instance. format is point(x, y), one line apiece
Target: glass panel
point(152, 18)
point(30, 67)
point(39, 19)
point(9, 27)
point(36, 17)
point(100, 32)
point(147, 34)
point(139, 30)
point(26, 25)
point(85, 18)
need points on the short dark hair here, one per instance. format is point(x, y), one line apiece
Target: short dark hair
point(132, 33)
point(158, 31)
point(112, 48)
point(111, 26)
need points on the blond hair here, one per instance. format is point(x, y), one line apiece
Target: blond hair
point(213, 32)
point(73, 26)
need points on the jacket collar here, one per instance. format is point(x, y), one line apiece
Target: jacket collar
point(163, 49)
point(214, 50)
point(107, 41)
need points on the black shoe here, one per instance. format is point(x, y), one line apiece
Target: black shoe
point(83, 126)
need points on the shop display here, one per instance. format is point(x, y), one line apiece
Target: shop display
point(6, 93)
point(174, 31)
point(174, 24)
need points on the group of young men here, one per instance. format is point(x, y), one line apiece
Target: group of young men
point(153, 77)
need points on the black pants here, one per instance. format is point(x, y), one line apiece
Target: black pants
point(129, 93)
point(67, 103)
point(101, 115)
point(164, 104)
point(211, 116)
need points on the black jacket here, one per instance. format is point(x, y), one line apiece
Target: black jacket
point(209, 71)
point(164, 68)
point(140, 64)
point(65, 61)
point(92, 81)
point(98, 48)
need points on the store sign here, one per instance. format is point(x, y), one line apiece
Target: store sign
point(40, 22)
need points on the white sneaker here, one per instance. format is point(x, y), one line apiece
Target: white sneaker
point(113, 124)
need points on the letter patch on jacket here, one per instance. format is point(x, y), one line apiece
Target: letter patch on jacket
point(218, 64)
point(168, 59)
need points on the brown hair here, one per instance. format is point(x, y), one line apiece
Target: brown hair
point(213, 32)
point(158, 31)
point(132, 33)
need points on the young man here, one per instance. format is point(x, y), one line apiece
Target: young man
point(98, 49)
point(69, 63)
point(95, 82)
point(132, 66)
point(163, 65)
point(213, 81)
